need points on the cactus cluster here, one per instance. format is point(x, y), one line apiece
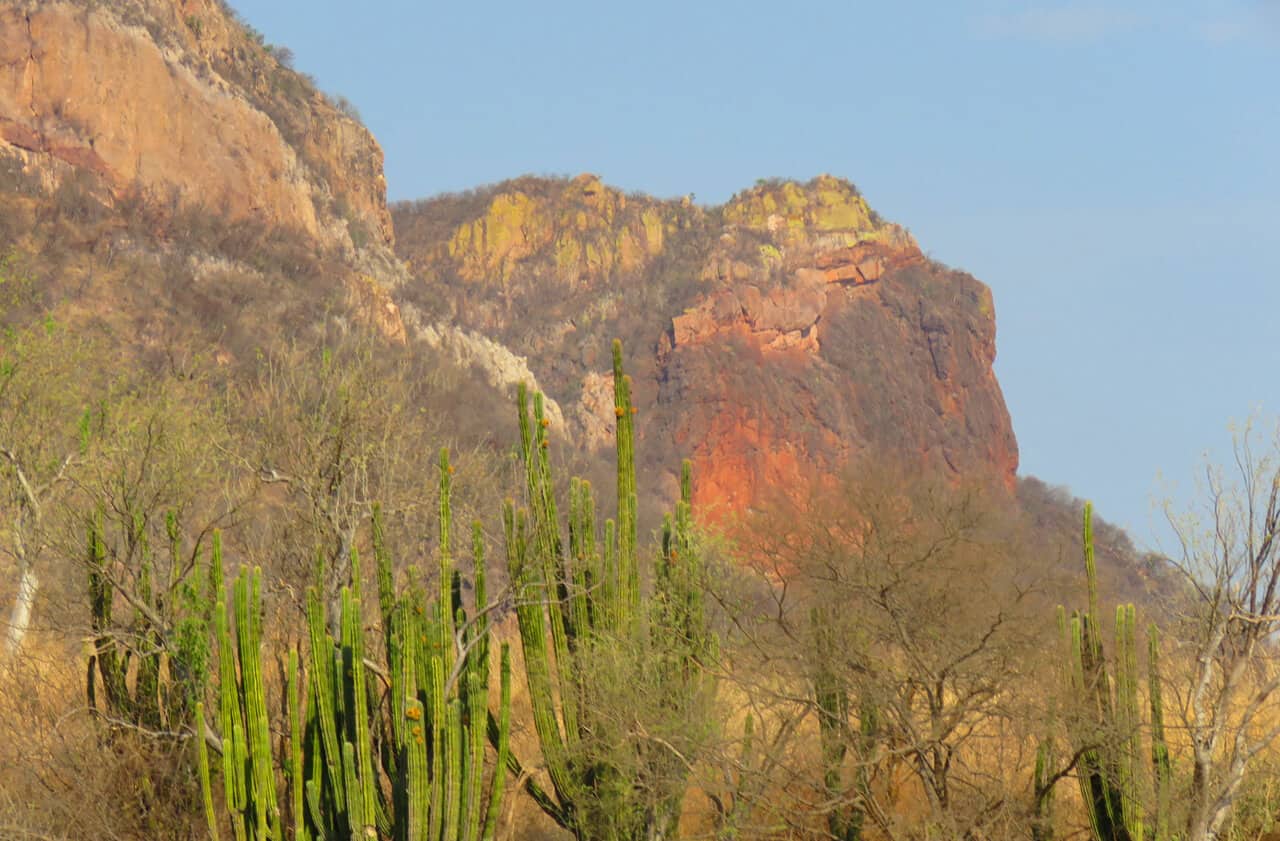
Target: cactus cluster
point(579, 595)
point(1107, 722)
point(400, 759)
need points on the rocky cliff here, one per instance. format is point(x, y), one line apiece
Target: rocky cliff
point(779, 336)
point(166, 175)
point(177, 100)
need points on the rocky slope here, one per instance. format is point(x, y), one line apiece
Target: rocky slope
point(779, 336)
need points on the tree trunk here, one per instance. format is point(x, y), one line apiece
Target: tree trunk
point(20, 615)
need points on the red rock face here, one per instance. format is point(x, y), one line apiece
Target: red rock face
point(896, 368)
point(772, 340)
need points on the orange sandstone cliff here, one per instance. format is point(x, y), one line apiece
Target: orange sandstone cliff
point(176, 99)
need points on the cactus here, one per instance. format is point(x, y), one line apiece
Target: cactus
point(1162, 767)
point(409, 765)
point(1107, 726)
point(836, 735)
point(579, 596)
point(1042, 819)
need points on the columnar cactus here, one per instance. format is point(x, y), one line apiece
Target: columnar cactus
point(1162, 767)
point(409, 769)
point(837, 734)
point(1107, 723)
point(576, 595)
point(1042, 791)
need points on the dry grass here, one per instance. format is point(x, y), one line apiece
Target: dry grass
point(66, 775)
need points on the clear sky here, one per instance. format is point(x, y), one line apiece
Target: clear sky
point(1110, 169)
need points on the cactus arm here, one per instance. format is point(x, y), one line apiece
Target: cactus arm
point(476, 701)
point(503, 748)
point(532, 627)
point(549, 552)
point(417, 773)
point(248, 602)
point(353, 641)
point(1090, 565)
point(612, 586)
point(296, 768)
point(202, 766)
point(324, 681)
point(446, 562)
point(1161, 765)
point(356, 817)
point(453, 770)
point(435, 820)
point(1042, 824)
point(628, 572)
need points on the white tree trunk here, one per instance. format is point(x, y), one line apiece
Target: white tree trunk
point(20, 616)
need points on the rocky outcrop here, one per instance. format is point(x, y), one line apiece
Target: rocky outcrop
point(501, 368)
point(775, 338)
point(178, 101)
point(574, 233)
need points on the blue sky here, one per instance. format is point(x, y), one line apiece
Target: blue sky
point(1109, 169)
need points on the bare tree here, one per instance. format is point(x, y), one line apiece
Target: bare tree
point(153, 487)
point(330, 433)
point(1230, 558)
point(904, 606)
point(47, 384)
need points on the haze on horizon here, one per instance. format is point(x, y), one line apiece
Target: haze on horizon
point(1109, 169)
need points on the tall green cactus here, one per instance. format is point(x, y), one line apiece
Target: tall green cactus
point(1162, 766)
point(837, 734)
point(1107, 724)
point(580, 598)
point(1042, 792)
point(407, 764)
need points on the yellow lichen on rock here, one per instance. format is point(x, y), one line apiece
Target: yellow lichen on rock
point(838, 207)
point(654, 231)
point(511, 230)
point(580, 231)
point(793, 212)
